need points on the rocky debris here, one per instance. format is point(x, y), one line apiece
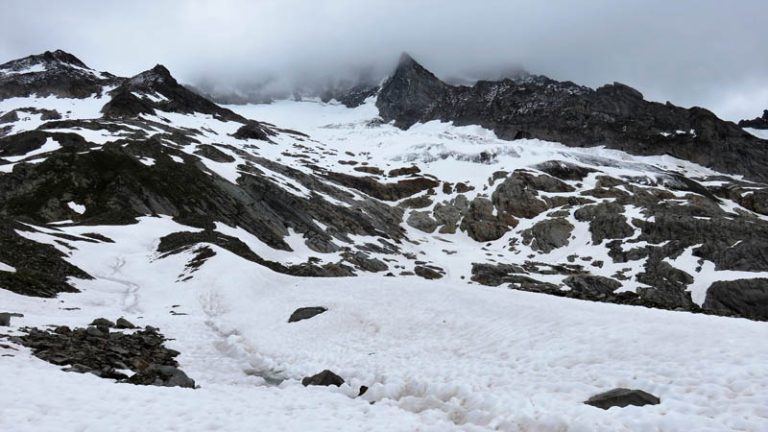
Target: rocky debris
point(404, 171)
point(744, 297)
point(518, 193)
point(757, 122)
point(363, 261)
point(622, 397)
point(106, 354)
point(306, 313)
point(369, 170)
point(428, 272)
point(614, 115)
point(482, 225)
point(548, 235)
point(584, 286)
point(606, 221)
point(214, 154)
point(564, 170)
point(422, 221)
point(324, 378)
point(385, 191)
point(163, 376)
point(591, 285)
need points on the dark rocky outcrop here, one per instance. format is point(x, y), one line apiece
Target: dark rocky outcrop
point(622, 397)
point(325, 378)
point(614, 115)
point(306, 313)
point(104, 353)
point(744, 297)
point(548, 235)
point(52, 73)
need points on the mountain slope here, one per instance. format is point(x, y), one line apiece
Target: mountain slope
point(428, 244)
point(614, 115)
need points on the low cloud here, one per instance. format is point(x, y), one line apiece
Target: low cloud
point(690, 52)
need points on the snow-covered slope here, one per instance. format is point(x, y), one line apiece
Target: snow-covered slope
point(435, 355)
point(136, 197)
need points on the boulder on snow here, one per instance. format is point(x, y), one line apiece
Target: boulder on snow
point(306, 313)
point(123, 323)
point(622, 397)
point(162, 375)
point(324, 378)
point(102, 322)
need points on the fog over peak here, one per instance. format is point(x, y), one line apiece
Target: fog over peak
point(690, 52)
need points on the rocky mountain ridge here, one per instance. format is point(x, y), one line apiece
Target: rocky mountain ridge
point(358, 195)
point(615, 116)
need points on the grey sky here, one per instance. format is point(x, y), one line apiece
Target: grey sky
point(690, 52)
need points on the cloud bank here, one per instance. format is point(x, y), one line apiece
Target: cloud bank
point(691, 52)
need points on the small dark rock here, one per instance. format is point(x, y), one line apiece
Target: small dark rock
point(123, 323)
point(306, 313)
point(162, 375)
point(363, 389)
point(324, 378)
point(102, 322)
point(622, 397)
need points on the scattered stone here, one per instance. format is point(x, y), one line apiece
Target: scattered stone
point(123, 323)
point(622, 397)
point(324, 378)
point(102, 322)
point(104, 353)
point(161, 375)
point(428, 272)
point(422, 221)
point(306, 313)
point(363, 389)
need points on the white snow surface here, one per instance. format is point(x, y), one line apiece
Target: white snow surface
point(760, 133)
point(437, 356)
point(77, 208)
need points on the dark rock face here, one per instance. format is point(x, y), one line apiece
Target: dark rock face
point(428, 272)
point(41, 269)
point(614, 115)
point(745, 297)
point(548, 235)
point(592, 285)
point(163, 376)
point(324, 378)
point(622, 397)
point(52, 73)
point(103, 353)
point(306, 313)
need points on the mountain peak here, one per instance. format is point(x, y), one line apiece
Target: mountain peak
point(158, 75)
point(48, 60)
point(62, 56)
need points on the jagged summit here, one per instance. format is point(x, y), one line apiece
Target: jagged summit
point(615, 116)
point(157, 76)
point(47, 59)
point(52, 73)
point(156, 89)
